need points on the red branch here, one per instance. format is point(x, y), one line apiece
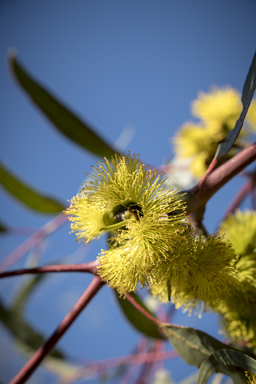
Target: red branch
point(116, 362)
point(142, 310)
point(223, 174)
point(40, 354)
point(33, 241)
point(247, 187)
point(84, 267)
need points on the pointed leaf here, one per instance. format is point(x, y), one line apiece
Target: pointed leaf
point(225, 357)
point(27, 195)
point(23, 332)
point(62, 118)
point(247, 95)
point(3, 228)
point(195, 346)
point(24, 293)
point(137, 319)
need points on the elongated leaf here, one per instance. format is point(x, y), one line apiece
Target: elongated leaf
point(247, 95)
point(24, 293)
point(23, 332)
point(225, 357)
point(195, 346)
point(3, 228)
point(62, 118)
point(137, 319)
point(27, 195)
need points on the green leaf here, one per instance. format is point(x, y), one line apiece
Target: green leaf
point(24, 334)
point(27, 195)
point(24, 292)
point(62, 118)
point(3, 228)
point(247, 95)
point(137, 319)
point(225, 357)
point(195, 346)
point(192, 345)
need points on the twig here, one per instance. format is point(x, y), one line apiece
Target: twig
point(84, 267)
point(34, 240)
point(238, 198)
point(222, 175)
point(146, 368)
point(118, 362)
point(40, 354)
point(142, 310)
point(21, 231)
point(131, 369)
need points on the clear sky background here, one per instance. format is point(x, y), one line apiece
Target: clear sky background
point(118, 64)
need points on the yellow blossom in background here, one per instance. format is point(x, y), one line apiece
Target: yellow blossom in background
point(217, 112)
point(240, 230)
point(220, 105)
point(238, 310)
point(251, 115)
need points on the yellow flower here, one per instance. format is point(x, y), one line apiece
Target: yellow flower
point(251, 378)
point(221, 105)
point(217, 112)
point(87, 218)
point(128, 197)
point(237, 311)
point(207, 276)
point(141, 252)
point(240, 230)
point(251, 115)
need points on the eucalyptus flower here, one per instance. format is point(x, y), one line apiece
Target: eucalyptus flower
point(208, 274)
point(240, 229)
point(217, 113)
point(237, 311)
point(127, 197)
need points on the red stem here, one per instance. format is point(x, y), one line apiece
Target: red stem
point(222, 175)
point(40, 354)
point(142, 310)
point(84, 267)
point(34, 240)
point(238, 198)
point(119, 362)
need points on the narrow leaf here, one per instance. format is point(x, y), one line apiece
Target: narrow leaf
point(225, 357)
point(24, 293)
point(195, 346)
point(247, 95)
point(3, 228)
point(27, 195)
point(62, 118)
point(23, 333)
point(137, 319)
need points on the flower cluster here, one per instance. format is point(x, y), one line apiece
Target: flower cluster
point(127, 197)
point(208, 274)
point(238, 310)
point(150, 242)
point(217, 113)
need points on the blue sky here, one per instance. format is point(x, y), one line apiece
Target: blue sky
point(117, 64)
